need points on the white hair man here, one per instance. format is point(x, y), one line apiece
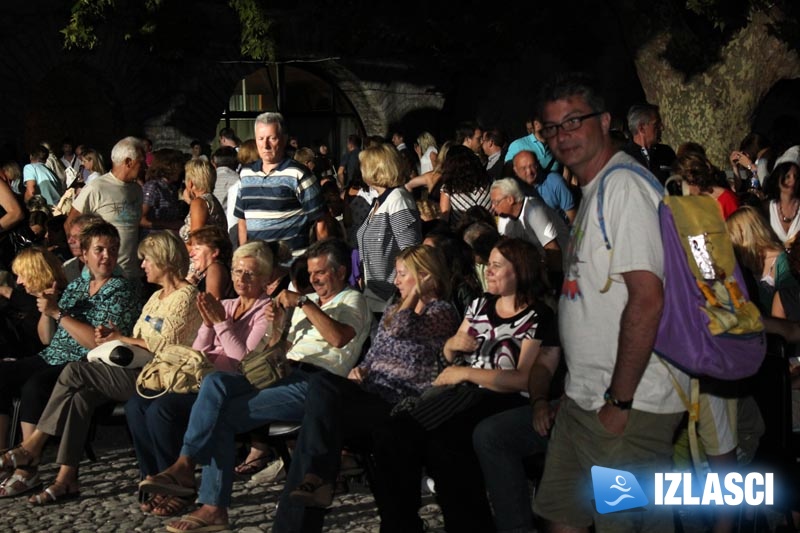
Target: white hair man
point(117, 198)
point(278, 198)
point(530, 219)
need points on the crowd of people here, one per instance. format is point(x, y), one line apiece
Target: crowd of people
point(418, 288)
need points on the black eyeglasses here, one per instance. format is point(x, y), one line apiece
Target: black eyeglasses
point(571, 124)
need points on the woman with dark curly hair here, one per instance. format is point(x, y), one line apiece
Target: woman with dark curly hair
point(161, 208)
point(465, 183)
point(782, 190)
point(702, 178)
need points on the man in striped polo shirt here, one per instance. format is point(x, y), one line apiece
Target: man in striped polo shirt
point(278, 199)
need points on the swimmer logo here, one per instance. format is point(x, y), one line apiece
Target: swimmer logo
point(616, 490)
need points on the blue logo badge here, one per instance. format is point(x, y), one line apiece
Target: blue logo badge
point(616, 490)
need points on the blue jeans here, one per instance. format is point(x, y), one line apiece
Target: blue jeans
point(337, 411)
point(501, 442)
point(157, 427)
point(227, 405)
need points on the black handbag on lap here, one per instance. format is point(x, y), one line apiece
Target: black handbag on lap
point(439, 404)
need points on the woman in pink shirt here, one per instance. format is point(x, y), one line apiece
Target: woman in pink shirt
point(230, 330)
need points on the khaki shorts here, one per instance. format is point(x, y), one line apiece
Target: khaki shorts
point(578, 442)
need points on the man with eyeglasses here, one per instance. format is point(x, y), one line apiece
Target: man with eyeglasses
point(620, 409)
point(533, 142)
point(645, 126)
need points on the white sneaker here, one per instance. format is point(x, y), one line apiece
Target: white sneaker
point(275, 472)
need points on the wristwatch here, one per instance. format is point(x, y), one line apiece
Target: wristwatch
point(301, 300)
point(619, 404)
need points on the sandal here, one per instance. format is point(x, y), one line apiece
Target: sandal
point(172, 506)
point(18, 484)
point(248, 468)
point(165, 483)
point(198, 523)
point(11, 459)
point(151, 503)
point(54, 495)
point(313, 493)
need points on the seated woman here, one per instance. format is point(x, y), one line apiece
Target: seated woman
point(499, 341)
point(401, 363)
point(170, 316)
point(204, 208)
point(37, 270)
point(230, 330)
point(100, 295)
point(210, 252)
point(761, 254)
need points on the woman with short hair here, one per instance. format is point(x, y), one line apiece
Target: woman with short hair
point(204, 208)
point(392, 225)
point(210, 270)
point(230, 330)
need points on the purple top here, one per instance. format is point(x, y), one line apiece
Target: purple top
point(403, 358)
point(226, 343)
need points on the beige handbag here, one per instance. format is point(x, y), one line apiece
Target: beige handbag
point(266, 363)
point(175, 368)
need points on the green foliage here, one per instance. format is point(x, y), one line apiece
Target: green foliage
point(255, 40)
point(80, 32)
point(152, 21)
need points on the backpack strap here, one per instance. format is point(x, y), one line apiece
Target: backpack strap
point(636, 169)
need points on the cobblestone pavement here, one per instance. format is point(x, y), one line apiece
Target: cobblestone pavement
point(108, 501)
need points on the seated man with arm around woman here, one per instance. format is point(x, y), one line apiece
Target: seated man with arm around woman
point(230, 330)
point(101, 294)
point(170, 316)
point(326, 334)
point(401, 363)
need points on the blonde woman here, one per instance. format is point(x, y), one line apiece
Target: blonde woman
point(92, 162)
point(761, 253)
point(204, 208)
point(392, 225)
point(427, 151)
point(431, 180)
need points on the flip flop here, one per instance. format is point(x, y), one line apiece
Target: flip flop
point(202, 525)
point(27, 485)
point(168, 484)
point(48, 495)
point(173, 506)
point(248, 468)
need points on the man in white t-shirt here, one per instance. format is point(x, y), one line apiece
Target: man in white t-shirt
point(621, 409)
point(117, 197)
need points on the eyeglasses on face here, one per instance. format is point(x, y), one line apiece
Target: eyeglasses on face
point(244, 274)
point(549, 131)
